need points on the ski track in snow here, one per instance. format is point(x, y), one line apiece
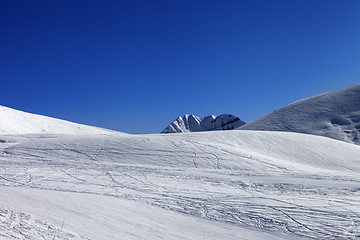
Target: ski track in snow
point(206, 176)
point(19, 225)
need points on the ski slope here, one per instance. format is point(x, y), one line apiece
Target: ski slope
point(18, 122)
point(334, 114)
point(208, 185)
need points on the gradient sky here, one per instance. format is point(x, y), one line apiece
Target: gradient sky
point(135, 66)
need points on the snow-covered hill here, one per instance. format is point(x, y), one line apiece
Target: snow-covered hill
point(208, 185)
point(71, 184)
point(17, 122)
point(334, 114)
point(192, 123)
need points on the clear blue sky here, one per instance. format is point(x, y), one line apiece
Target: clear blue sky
point(135, 66)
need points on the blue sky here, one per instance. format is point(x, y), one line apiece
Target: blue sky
point(135, 66)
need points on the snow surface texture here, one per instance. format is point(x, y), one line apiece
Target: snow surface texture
point(17, 122)
point(192, 123)
point(208, 185)
point(334, 114)
point(90, 183)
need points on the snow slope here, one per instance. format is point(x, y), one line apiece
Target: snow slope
point(208, 185)
point(192, 123)
point(333, 114)
point(17, 122)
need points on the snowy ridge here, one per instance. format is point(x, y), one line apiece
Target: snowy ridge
point(205, 185)
point(208, 185)
point(18, 122)
point(192, 123)
point(334, 114)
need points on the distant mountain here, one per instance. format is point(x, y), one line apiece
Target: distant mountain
point(192, 123)
point(17, 122)
point(333, 114)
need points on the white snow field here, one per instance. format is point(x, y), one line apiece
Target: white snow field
point(334, 114)
point(18, 122)
point(208, 185)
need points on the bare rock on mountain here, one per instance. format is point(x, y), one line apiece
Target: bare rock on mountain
point(192, 123)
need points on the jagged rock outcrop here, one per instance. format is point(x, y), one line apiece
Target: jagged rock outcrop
point(192, 123)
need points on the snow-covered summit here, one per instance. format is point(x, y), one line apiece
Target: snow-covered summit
point(192, 123)
point(18, 122)
point(334, 114)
